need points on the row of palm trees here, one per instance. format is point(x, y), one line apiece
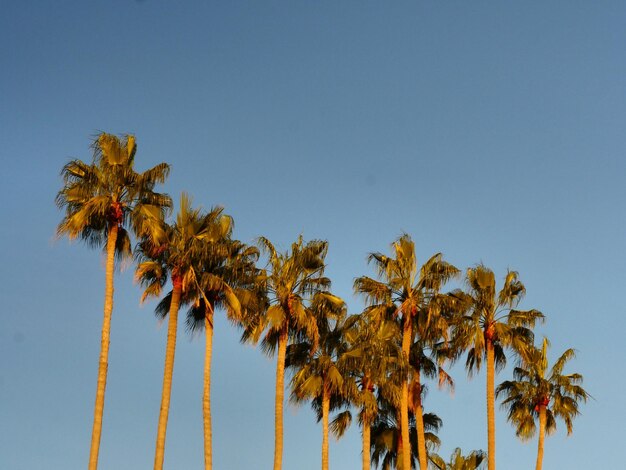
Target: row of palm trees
point(375, 362)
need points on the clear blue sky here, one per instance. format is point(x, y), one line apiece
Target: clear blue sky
point(490, 131)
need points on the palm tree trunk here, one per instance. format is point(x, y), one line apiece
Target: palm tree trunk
point(280, 391)
point(366, 444)
point(491, 413)
point(325, 412)
point(404, 399)
point(206, 396)
point(419, 425)
point(170, 349)
point(542, 434)
point(103, 363)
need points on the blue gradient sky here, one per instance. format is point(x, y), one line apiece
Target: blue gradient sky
point(490, 131)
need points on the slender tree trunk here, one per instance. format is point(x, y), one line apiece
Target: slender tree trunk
point(419, 425)
point(399, 447)
point(278, 409)
point(325, 412)
point(170, 349)
point(542, 434)
point(404, 398)
point(366, 444)
point(491, 413)
point(103, 363)
point(206, 396)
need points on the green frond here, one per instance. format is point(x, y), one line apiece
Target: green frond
point(512, 292)
point(526, 318)
point(163, 307)
point(275, 316)
point(196, 315)
point(158, 174)
point(559, 365)
point(269, 343)
point(481, 279)
point(499, 357)
point(340, 423)
point(473, 361)
point(374, 291)
point(123, 250)
point(306, 387)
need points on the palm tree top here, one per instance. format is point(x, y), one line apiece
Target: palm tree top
point(296, 271)
point(283, 293)
point(185, 246)
point(536, 385)
point(491, 315)
point(109, 192)
point(401, 285)
point(458, 461)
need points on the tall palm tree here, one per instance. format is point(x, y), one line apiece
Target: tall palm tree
point(541, 394)
point(490, 324)
point(179, 258)
point(290, 281)
point(101, 201)
point(227, 274)
point(371, 359)
point(318, 373)
point(458, 461)
point(406, 290)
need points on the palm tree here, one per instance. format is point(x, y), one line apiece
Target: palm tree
point(291, 280)
point(318, 373)
point(406, 291)
point(226, 279)
point(101, 200)
point(179, 258)
point(489, 325)
point(371, 359)
point(541, 394)
point(227, 274)
point(387, 445)
point(458, 461)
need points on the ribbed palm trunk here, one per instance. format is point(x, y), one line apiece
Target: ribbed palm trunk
point(419, 425)
point(491, 413)
point(278, 408)
point(206, 395)
point(366, 444)
point(103, 363)
point(325, 413)
point(542, 434)
point(404, 398)
point(170, 349)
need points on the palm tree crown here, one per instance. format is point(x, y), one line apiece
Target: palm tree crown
point(109, 193)
point(491, 318)
point(458, 461)
point(179, 252)
point(291, 280)
point(535, 386)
